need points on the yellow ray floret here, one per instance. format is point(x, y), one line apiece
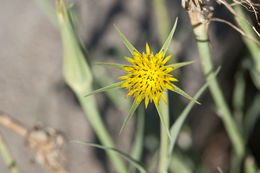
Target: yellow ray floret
point(148, 77)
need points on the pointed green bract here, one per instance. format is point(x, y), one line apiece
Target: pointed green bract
point(163, 121)
point(176, 127)
point(183, 93)
point(117, 66)
point(169, 39)
point(135, 163)
point(130, 47)
point(112, 86)
point(179, 65)
point(130, 114)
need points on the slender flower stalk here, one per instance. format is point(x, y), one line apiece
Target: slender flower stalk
point(207, 67)
point(164, 140)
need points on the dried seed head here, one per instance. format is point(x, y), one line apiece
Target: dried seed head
point(200, 10)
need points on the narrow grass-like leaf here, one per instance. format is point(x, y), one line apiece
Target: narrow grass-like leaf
point(117, 66)
point(250, 165)
point(112, 86)
point(138, 141)
point(163, 121)
point(251, 115)
point(6, 155)
point(137, 145)
point(130, 114)
point(179, 65)
point(169, 39)
point(183, 93)
point(220, 170)
point(135, 163)
point(176, 127)
point(130, 47)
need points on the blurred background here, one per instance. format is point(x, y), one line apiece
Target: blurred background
point(33, 91)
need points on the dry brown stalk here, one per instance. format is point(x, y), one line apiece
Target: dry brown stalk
point(46, 142)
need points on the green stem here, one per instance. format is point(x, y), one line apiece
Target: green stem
point(7, 156)
point(137, 147)
point(164, 137)
point(225, 114)
point(90, 108)
point(252, 46)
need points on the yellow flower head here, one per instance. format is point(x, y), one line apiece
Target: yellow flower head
point(148, 77)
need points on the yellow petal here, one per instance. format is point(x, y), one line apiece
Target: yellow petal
point(164, 99)
point(147, 49)
point(146, 101)
point(166, 59)
point(130, 60)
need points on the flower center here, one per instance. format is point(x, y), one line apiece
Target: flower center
point(147, 77)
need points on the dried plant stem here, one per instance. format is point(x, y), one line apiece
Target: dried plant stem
point(207, 66)
point(7, 156)
point(13, 125)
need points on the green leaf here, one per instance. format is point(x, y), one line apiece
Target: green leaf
point(220, 170)
point(179, 65)
point(135, 163)
point(112, 86)
point(252, 115)
point(117, 66)
point(130, 114)
point(176, 127)
point(163, 121)
point(183, 93)
point(130, 47)
point(137, 145)
point(169, 39)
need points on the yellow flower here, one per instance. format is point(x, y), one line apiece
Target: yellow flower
point(148, 77)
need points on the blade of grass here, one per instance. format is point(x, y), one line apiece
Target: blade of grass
point(239, 96)
point(220, 170)
point(183, 93)
point(9, 161)
point(135, 163)
point(252, 46)
point(169, 38)
point(250, 165)
point(117, 66)
point(175, 66)
point(116, 96)
point(163, 111)
point(130, 114)
point(109, 87)
point(176, 127)
point(137, 146)
point(129, 46)
point(251, 115)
